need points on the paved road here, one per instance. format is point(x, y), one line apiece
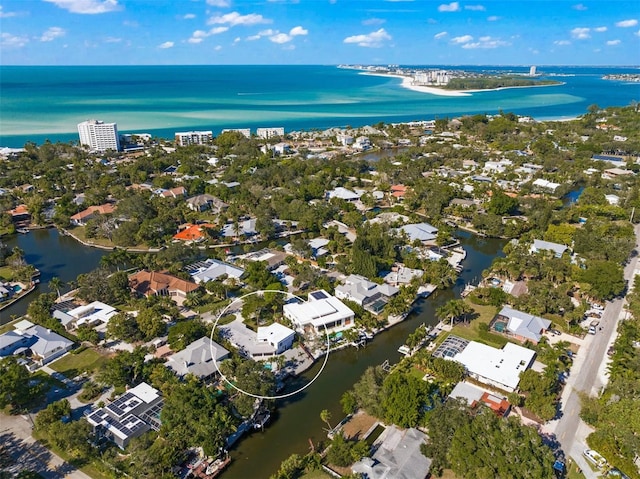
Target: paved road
point(587, 375)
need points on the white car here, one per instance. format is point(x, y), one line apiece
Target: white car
point(592, 330)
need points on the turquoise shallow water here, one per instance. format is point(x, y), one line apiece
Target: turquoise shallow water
point(37, 103)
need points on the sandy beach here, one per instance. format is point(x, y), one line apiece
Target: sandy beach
point(407, 83)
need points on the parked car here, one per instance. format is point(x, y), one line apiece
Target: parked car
point(555, 331)
point(592, 330)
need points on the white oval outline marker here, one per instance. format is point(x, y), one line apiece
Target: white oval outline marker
point(258, 396)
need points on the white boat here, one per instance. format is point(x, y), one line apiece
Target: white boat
point(404, 349)
point(595, 458)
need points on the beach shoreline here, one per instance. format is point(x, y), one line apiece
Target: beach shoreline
point(407, 82)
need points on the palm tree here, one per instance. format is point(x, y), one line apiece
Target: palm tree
point(453, 309)
point(55, 284)
point(325, 416)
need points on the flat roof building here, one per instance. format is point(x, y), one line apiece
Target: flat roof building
point(320, 311)
point(98, 135)
point(185, 138)
point(500, 368)
point(272, 132)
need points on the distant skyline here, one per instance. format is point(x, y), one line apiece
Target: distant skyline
point(406, 32)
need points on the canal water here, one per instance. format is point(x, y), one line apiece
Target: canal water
point(298, 419)
point(54, 255)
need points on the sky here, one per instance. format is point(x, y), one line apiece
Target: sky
point(319, 32)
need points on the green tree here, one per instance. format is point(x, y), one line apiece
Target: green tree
point(16, 389)
point(501, 204)
point(325, 416)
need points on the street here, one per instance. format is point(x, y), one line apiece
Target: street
point(588, 375)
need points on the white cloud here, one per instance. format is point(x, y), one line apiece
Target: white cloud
point(234, 18)
point(280, 38)
point(4, 14)
point(600, 29)
point(493, 18)
point(87, 7)
point(199, 35)
point(562, 42)
point(449, 7)
point(218, 3)
point(369, 40)
point(166, 45)
point(579, 7)
point(52, 33)
point(237, 40)
point(475, 8)
point(440, 35)
point(12, 41)
point(462, 39)
point(218, 48)
point(112, 40)
point(373, 21)
point(188, 16)
point(612, 43)
point(632, 22)
point(580, 33)
point(486, 42)
point(637, 34)
point(297, 31)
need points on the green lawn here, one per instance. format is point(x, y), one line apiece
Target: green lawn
point(471, 330)
point(92, 468)
point(6, 274)
point(72, 365)
point(9, 326)
point(319, 474)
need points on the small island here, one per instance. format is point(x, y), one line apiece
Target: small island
point(455, 82)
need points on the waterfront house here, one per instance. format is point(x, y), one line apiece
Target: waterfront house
point(206, 202)
point(267, 342)
point(519, 325)
point(92, 314)
point(154, 283)
point(422, 232)
point(366, 293)
point(20, 213)
point(131, 415)
point(540, 245)
point(197, 359)
point(271, 257)
point(80, 219)
point(499, 368)
point(12, 341)
point(321, 311)
point(401, 275)
point(193, 233)
point(244, 228)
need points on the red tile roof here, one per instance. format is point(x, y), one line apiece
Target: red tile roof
point(149, 283)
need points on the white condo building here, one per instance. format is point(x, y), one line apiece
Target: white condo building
point(266, 133)
point(98, 135)
point(185, 138)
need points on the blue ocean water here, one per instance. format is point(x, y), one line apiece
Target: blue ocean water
point(38, 103)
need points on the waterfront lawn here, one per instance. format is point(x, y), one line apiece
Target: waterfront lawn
point(79, 232)
point(72, 365)
point(318, 474)
point(6, 274)
point(471, 331)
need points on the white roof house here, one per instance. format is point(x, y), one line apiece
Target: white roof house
point(400, 274)
point(524, 326)
point(246, 228)
point(612, 199)
point(320, 311)
point(496, 367)
point(360, 290)
point(344, 194)
point(420, 231)
point(212, 269)
point(197, 358)
point(267, 342)
point(549, 185)
point(92, 314)
point(540, 245)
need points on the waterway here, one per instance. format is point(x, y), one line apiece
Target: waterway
point(298, 419)
point(54, 255)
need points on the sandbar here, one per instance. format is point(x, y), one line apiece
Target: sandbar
point(407, 82)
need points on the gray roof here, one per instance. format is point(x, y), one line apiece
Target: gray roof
point(525, 324)
point(397, 457)
point(212, 269)
point(247, 227)
point(197, 359)
point(48, 342)
point(10, 338)
point(420, 231)
point(360, 288)
point(539, 245)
